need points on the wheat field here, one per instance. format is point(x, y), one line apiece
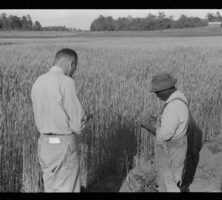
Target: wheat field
point(113, 83)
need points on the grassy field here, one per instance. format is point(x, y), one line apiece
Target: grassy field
point(113, 82)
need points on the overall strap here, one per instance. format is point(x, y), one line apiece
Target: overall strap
point(182, 101)
point(172, 143)
point(173, 100)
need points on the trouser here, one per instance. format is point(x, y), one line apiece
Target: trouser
point(170, 165)
point(59, 161)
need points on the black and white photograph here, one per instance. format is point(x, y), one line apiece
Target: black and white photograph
point(110, 100)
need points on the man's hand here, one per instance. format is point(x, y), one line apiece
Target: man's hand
point(89, 117)
point(149, 128)
point(152, 120)
point(85, 120)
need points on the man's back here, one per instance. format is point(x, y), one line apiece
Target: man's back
point(48, 96)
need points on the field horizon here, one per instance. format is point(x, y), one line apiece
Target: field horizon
point(180, 32)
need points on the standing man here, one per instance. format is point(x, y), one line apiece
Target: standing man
point(170, 132)
point(59, 116)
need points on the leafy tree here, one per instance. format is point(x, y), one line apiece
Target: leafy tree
point(123, 23)
point(24, 23)
point(5, 22)
point(150, 22)
point(218, 16)
point(210, 17)
point(161, 15)
point(15, 23)
point(37, 26)
point(103, 24)
point(213, 18)
point(29, 22)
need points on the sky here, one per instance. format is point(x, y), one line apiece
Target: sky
point(82, 18)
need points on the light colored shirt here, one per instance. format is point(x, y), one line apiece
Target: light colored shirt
point(55, 104)
point(174, 119)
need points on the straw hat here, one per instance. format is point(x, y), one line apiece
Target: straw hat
point(162, 82)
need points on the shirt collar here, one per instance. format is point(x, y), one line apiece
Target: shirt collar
point(172, 96)
point(56, 69)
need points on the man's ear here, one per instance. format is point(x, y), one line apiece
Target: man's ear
point(68, 63)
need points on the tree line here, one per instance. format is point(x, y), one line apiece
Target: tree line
point(150, 22)
point(13, 22)
point(214, 17)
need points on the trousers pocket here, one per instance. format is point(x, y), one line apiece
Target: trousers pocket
point(177, 157)
point(50, 155)
point(54, 155)
point(71, 158)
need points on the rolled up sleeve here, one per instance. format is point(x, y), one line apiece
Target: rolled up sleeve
point(73, 107)
point(168, 126)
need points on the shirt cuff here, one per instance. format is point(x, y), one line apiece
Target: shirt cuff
point(159, 140)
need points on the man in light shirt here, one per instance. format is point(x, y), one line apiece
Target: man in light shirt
point(170, 132)
point(59, 116)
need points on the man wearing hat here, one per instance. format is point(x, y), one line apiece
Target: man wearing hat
point(170, 132)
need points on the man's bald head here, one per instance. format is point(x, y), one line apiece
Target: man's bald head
point(67, 60)
point(68, 54)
